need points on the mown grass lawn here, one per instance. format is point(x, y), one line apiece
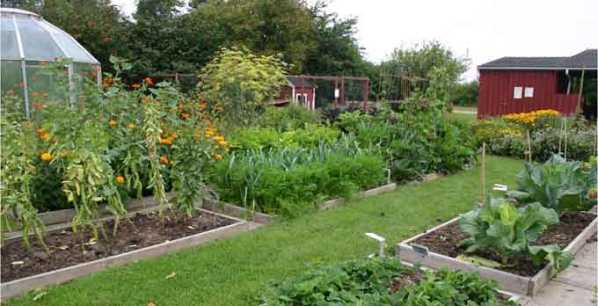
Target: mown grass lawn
point(232, 272)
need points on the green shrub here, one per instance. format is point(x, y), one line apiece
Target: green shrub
point(369, 282)
point(288, 118)
point(414, 144)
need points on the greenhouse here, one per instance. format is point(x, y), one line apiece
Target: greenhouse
point(32, 52)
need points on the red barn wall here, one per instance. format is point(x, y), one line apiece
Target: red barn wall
point(496, 93)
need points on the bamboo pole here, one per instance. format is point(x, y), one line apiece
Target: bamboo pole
point(529, 147)
point(561, 135)
point(565, 154)
point(483, 176)
point(578, 107)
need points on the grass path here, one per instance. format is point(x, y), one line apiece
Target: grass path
point(232, 272)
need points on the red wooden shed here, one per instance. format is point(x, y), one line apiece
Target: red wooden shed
point(298, 90)
point(524, 84)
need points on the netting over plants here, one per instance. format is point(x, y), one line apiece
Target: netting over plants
point(34, 53)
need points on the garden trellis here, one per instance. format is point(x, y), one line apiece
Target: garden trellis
point(29, 43)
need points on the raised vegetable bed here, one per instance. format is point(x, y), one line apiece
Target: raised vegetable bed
point(75, 255)
point(439, 247)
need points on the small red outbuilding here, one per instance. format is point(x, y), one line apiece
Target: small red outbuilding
point(298, 91)
point(524, 84)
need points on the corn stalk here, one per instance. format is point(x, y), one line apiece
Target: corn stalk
point(17, 170)
point(88, 183)
point(152, 130)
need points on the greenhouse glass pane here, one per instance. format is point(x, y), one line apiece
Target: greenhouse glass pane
point(8, 39)
point(11, 81)
point(72, 49)
point(37, 43)
point(46, 85)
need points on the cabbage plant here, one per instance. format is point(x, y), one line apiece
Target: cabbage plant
point(509, 231)
point(558, 184)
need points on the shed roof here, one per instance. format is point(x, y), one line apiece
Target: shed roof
point(300, 82)
point(587, 59)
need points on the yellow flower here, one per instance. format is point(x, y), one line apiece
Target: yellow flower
point(112, 123)
point(131, 126)
point(46, 156)
point(120, 179)
point(217, 157)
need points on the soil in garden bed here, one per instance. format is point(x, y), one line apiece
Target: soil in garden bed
point(446, 241)
point(68, 249)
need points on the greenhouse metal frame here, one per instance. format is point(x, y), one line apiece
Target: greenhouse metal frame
point(27, 40)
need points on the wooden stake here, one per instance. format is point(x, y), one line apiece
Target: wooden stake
point(578, 108)
point(529, 147)
point(561, 135)
point(483, 175)
point(565, 154)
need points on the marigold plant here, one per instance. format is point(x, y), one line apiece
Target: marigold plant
point(533, 117)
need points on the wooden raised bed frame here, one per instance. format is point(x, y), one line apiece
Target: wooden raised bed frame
point(507, 281)
point(57, 220)
point(20, 286)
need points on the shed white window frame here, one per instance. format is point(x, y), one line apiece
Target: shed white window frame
point(517, 92)
point(528, 92)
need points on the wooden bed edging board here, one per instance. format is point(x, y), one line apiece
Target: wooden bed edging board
point(50, 218)
point(20, 286)
point(363, 194)
point(507, 281)
point(236, 211)
point(242, 212)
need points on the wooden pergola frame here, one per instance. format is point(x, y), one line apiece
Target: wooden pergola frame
point(340, 80)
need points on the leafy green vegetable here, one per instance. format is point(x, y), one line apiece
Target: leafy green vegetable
point(553, 254)
point(381, 281)
point(505, 229)
point(558, 184)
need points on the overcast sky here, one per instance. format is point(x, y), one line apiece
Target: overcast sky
point(481, 29)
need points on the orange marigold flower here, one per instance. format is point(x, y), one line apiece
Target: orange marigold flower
point(107, 82)
point(38, 106)
point(185, 115)
point(148, 81)
point(120, 179)
point(44, 136)
point(112, 123)
point(166, 141)
point(46, 156)
point(164, 160)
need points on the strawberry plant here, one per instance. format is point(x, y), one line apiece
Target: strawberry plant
point(380, 282)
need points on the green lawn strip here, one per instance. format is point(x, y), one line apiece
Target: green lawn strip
point(467, 118)
point(231, 272)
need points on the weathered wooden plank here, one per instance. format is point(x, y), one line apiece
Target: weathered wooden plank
point(20, 286)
